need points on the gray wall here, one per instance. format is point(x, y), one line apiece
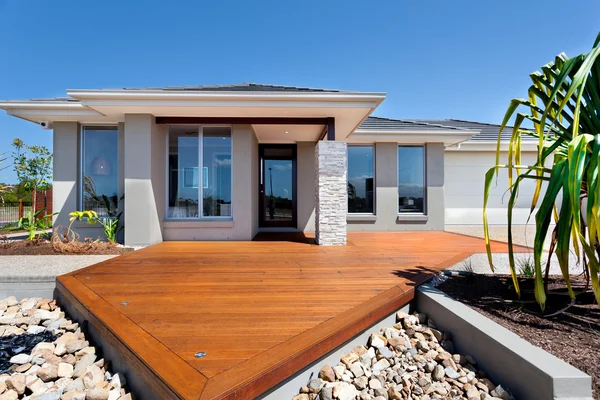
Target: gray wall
point(386, 193)
point(144, 183)
point(306, 186)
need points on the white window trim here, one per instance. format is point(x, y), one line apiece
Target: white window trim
point(425, 197)
point(372, 145)
point(81, 160)
point(201, 185)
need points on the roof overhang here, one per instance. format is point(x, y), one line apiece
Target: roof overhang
point(491, 145)
point(448, 137)
point(110, 106)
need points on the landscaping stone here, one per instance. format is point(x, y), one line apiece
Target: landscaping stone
point(411, 360)
point(45, 356)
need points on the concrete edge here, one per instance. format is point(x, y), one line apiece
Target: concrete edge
point(528, 371)
point(27, 279)
point(290, 386)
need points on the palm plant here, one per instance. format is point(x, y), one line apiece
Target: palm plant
point(563, 107)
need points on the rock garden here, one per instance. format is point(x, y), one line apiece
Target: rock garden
point(410, 360)
point(45, 356)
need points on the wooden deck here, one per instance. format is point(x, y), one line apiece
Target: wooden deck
point(260, 310)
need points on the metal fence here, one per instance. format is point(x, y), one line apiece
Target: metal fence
point(10, 213)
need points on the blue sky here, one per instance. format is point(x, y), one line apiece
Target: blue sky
point(436, 59)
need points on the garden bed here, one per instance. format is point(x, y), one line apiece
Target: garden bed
point(572, 335)
point(42, 247)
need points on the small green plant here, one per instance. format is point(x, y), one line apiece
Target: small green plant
point(33, 222)
point(110, 225)
point(527, 267)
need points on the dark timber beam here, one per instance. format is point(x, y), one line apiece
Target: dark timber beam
point(331, 128)
point(244, 120)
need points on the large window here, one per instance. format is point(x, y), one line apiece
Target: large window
point(199, 168)
point(360, 179)
point(100, 177)
point(411, 179)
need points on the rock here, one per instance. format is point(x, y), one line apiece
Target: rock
point(50, 395)
point(16, 383)
point(339, 371)
point(473, 392)
point(327, 374)
point(357, 370)
point(344, 391)
point(451, 373)
point(65, 370)
point(326, 393)
point(438, 373)
point(98, 393)
point(82, 364)
point(315, 385)
point(76, 385)
point(385, 352)
point(20, 359)
point(394, 393)
point(35, 329)
point(60, 349)
point(375, 384)
point(36, 385)
point(47, 372)
point(376, 340)
point(380, 365)
point(349, 359)
point(500, 392)
point(73, 395)
point(301, 396)
point(9, 395)
point(361, 382)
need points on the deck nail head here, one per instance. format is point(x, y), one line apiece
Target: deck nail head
point(87, 277)
point(200, 354)
point(124, 303)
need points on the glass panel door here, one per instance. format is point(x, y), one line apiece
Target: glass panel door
point(277, 186)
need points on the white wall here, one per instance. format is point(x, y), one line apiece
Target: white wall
point(465, 176)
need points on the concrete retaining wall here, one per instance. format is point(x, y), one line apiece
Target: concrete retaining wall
point(528, 371)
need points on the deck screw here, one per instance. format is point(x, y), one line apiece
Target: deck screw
point(200, 354)
point(87, 277)
point(124, 303)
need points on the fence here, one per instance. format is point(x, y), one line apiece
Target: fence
point(11, 212)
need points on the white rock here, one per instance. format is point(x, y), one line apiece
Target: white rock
point(344, 391)
point(35, 329)
point(20, 359)
point(65, 370)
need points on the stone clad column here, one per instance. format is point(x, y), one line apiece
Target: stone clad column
point(331, 196)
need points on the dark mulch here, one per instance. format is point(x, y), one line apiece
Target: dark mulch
point(16, 344)
point(41, 247)
point(573, 335)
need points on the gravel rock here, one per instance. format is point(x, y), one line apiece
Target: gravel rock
point(411, 360)
point(45, 356)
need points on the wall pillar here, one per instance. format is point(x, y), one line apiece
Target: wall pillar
point(144, 179)
point(331, 197)
point(65, 171)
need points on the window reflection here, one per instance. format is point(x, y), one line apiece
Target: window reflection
point(411, 179)
point(100, 170)
point(360, 179)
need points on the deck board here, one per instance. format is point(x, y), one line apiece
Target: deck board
point(261, 310)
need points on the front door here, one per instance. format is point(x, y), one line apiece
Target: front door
point(277, 180)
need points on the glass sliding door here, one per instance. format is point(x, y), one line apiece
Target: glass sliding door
point(277, 186)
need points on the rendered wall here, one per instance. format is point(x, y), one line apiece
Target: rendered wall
point(386, 193)
point(306, 186)
point(144, 148)
point(465, 172)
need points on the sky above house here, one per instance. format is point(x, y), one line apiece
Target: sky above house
point(435, 59)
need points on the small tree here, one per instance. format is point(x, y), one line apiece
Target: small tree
point(33, 166)
point(3, 187)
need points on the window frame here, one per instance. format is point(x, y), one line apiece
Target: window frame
point(81, 146)
point(425, 197)
point(372, 145)
point(201, 183)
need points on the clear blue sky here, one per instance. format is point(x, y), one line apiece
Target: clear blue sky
point(436, 59)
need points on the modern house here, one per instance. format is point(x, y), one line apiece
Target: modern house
point(228, 162)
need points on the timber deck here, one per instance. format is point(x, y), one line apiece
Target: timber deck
point(260, 310)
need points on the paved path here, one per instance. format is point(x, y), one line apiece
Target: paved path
point(43, 268)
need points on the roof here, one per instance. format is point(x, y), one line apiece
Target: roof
point(389, 124)
point(487, 132)
point(242, 87)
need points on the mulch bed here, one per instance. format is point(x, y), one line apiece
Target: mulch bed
point(41, 247)
point(572, 335)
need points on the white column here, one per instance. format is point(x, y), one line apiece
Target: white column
point(331, 198)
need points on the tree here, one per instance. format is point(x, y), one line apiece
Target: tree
point(33, 166)
point(563, 106)
point(3, 187)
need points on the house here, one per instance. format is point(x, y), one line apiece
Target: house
point(227, 162)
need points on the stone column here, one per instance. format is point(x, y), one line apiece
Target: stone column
point(331, 196)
